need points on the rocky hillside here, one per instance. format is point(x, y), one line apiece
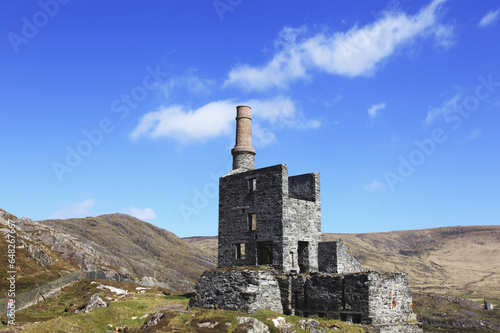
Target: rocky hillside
point(35, 262)
point(453, 261)
point(119, 246)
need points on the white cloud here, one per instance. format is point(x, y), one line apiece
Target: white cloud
point(145, 214)
point(375, 186)
point(75, 210)
point(373, 110)
point(448, 107)
point(489, 19)
point(357, 52)
point(175, 122)
point(217, 118)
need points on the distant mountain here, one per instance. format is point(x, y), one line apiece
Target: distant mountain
point(454, 261)
point(116, 245)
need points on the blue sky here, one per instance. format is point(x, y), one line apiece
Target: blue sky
point(129, 107)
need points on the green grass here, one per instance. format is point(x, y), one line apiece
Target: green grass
point(57, 314)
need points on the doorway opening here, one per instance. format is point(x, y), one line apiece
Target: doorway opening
point(265, 253)
point(303, 256)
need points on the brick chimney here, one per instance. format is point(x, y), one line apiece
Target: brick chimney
point(243, 151)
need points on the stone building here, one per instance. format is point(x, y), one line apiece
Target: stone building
point(271, 255)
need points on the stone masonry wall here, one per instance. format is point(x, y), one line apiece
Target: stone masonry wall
point(335, 257)
point(343, 297)
point(301, 223)
point(302, 187)
point(390, 298)
point(237, 200)
point(244, 161)
point(383, 300)
point(239, 290)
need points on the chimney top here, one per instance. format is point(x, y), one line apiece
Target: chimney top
point(243, 151)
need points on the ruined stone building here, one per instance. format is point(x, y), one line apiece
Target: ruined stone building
point(271, 254)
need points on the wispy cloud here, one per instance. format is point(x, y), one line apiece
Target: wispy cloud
point(216, 119)
point(375, 186)
point(444, 36)
point(357, 52)
point(448, 107)
point(81, 209)
point(373, 111)
point(146, 214)
point(489, 19)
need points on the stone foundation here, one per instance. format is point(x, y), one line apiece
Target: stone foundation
point(371, 298)
point(246, 290)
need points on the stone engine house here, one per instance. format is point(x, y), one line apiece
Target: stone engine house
point(271, 255)
point(267, 217)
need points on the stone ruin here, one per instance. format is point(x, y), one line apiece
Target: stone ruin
point(271, 255)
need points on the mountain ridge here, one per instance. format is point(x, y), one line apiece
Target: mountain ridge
point(119, 246)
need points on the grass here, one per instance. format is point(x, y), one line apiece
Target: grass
point(58, 314)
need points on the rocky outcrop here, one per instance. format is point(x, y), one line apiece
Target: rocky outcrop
point(252, 325)
point(153, 321)
point(84, 254)
point(37, 253)
point(246, 290)
point(95, 302)
point(149, 281)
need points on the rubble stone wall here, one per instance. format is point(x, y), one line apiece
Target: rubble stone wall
point(335, 257)
point(245, 290)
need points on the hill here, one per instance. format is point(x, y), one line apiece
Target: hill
point(34, 261)
point(116, 245)
point(455, 261)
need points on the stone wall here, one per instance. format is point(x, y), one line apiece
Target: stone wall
point(366, 297)
point(301, 223)
point(290, 228)
point(302, 187)
point(335, 257)
point(237, 200)
point(390, 298)
point(245, 290)
point(371, 298)
point(343, 297)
